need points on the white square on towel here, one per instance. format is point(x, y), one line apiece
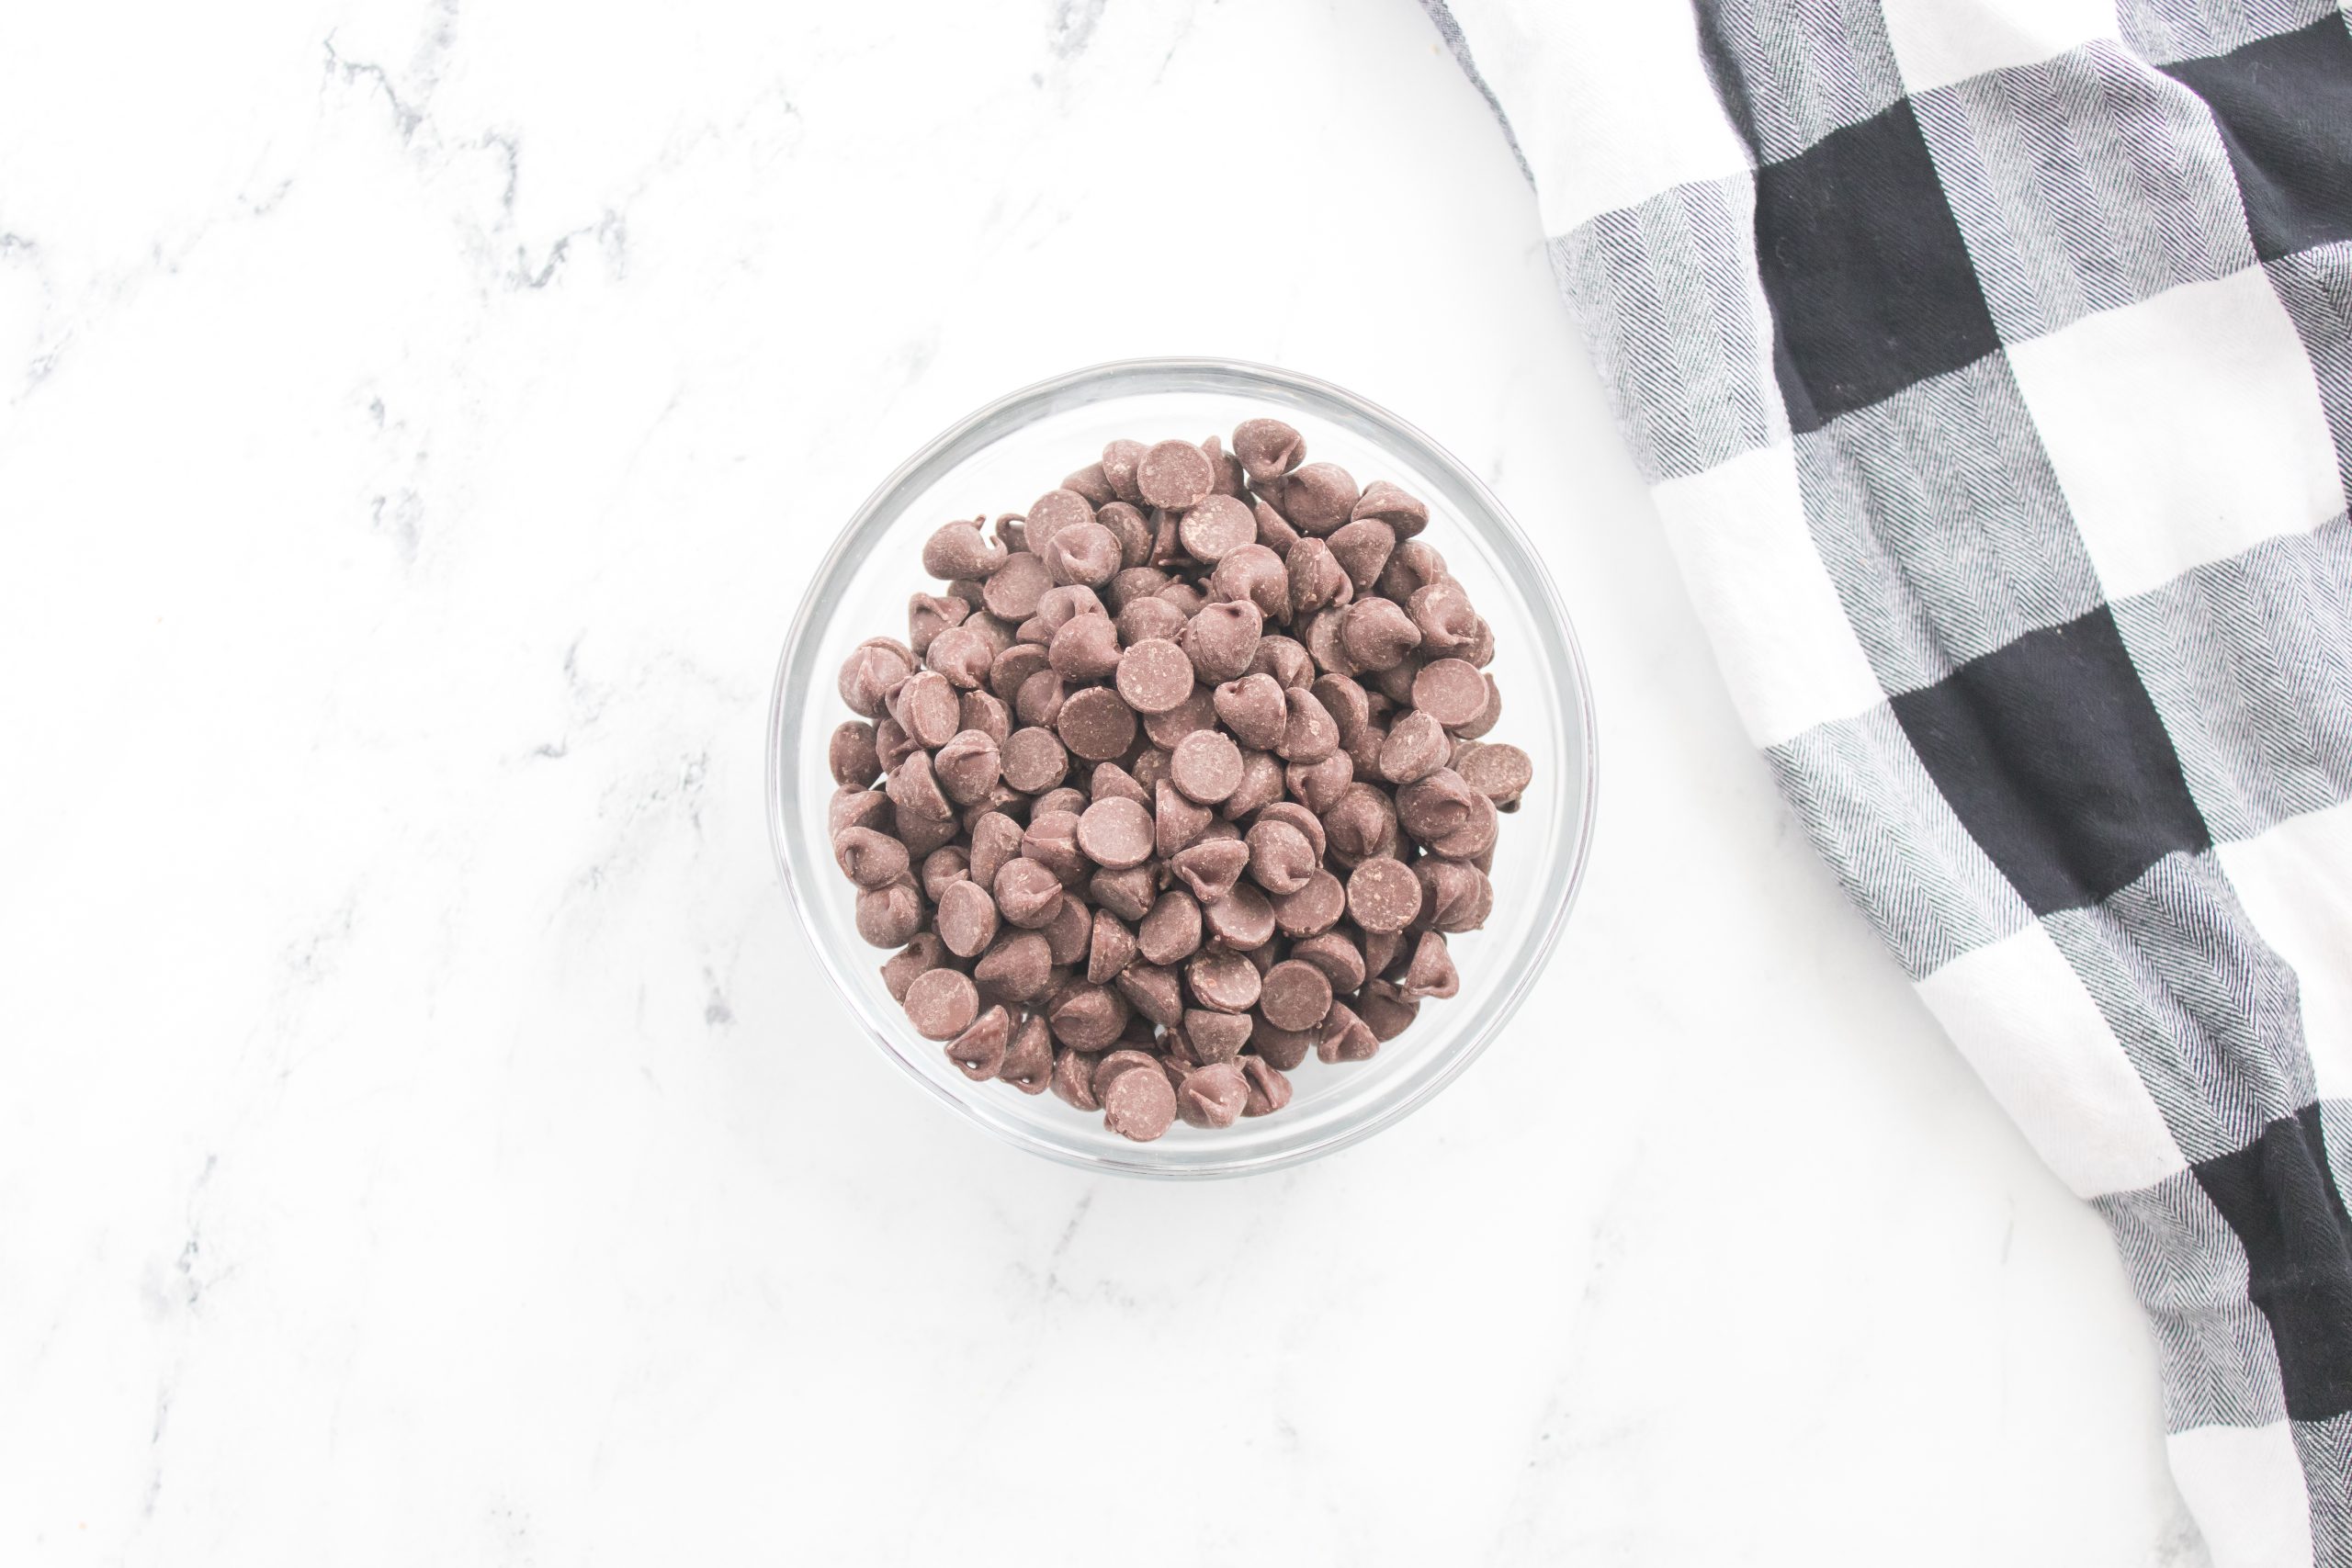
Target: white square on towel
point(2295, 882)
point(2244, 1484)
point(2022, 1018)
point(1939, 42)
point(1609, 109)
point(2183, 429)
point(1786, 648)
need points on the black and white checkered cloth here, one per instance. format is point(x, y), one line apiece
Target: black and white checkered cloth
point(1992, 363)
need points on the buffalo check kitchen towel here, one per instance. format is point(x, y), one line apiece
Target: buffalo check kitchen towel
point(1992, 368)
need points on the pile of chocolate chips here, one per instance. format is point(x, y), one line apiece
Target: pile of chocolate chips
point(1180, 779)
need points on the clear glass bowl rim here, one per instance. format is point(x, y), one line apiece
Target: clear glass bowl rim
point(977, 430)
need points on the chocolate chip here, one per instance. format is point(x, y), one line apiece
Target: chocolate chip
point(968, 766)
point(1317, 784)
point(872, 673)
point(978, 1051)
point(1344, 1037)
point(1415, 747)
point(1013, 589)
point(1431, 971)
point(1384, 894)
point(1018, 967)
point(961, 550)
point(1221, 639)
point(1211, 867)
point(942, 1004)
point(1108, 1067)
point(1095, 725)
point(1213, 1095)
point(965, 919)
point(1111, 781)
point(1131, 531)
point(1039, 700)
point(868, 858)
point(1206, 765)
point(850, 756)
point(1029, 1061)
point(1284, 658)
point(922, 833)
point(1110, 948)
point(1074, 1080)
point(1216, 1036)
point(1360, 824)
point(1405, 514)
point(1171, 932)
point(1242, 919)
point(1310, 733)
point(1274, 531)
point(1436, 805)
point(928, 615)
point(1027, 892)
point(1139, 1105)
point(890, 916)
point(1318, 581)
point(1149, 619)
point(925, 952)
point(1318, 497)
point(995, 839)
point(1294, 995)
point(1069, 935)
point(1362, 548)
point(1231, 478)
point(1226, 982)
point(1269, 1088)
point(1127, 894)
point(1498, 770)
point(1256, 574)
point(1116, 832)
point(1175, 474)
point(1119, 461)
point(1489, 717)
point(1314, 907)
point(1261, 785)
point(1049, 514)
point(943, 867)
point(983, 712)
point(1254, 709)
point(1176, 821)
point(1051, 839)
point(1267, 447)
point(1153, 676)
point(856, 808)
point(1010, 670)
point(1377, 634)
point(1283, 1048)
point(1153, 991)
point(1215, 527)
point(1035, 759)
point(1083, 554)
point(1197, 711)
point(1385, 1011)
point(1086, 1017)
point(1281, 860)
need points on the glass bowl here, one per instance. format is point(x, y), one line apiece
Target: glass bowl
point(1002, 457)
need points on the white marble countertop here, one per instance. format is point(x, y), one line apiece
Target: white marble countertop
point(425, 1137)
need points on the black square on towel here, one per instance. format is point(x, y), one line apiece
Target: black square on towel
point(1869, 281)
point(2053, 758)
point(2281, 1200)
point(2284, 104)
